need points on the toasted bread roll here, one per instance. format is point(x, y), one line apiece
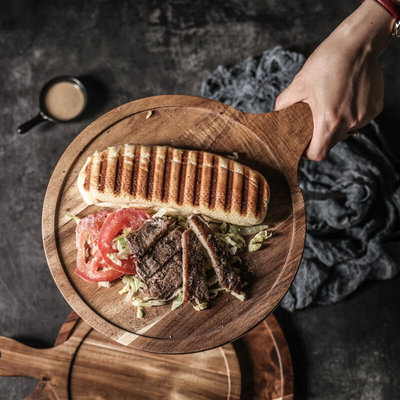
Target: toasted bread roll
point(182, 181)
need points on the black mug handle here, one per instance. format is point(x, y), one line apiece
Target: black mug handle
point(31, 123)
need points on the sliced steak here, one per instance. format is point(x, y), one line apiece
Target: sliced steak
point(165, 282)
point(144, 238)
point(227, 277)
point(160, 254)
point(195, 288)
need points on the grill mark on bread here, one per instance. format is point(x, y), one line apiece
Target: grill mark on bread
point(199, 168)
point(135, 171)
point(260, 194)
point(103, 171)
point(229, 185)
point(152, 170)
point(88, 171)
point(119, 170)
point(143, 172)
point(182, 176)
point(245, 192)
point(213, 183)
point(167, 174)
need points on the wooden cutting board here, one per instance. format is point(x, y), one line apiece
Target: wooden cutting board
point(271, 143)
point(96, 367)
point(88, 365)
point(265, 362)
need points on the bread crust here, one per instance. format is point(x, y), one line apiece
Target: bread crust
point(182, 181)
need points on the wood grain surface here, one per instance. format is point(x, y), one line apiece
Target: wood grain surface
point(263, 354)
point(265, 363)
point(89, 365)
point(270, 143)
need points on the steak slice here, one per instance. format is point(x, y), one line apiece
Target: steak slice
point(165, 282)
point(160, 254)
point(195, 287)
point(144, 238)
point(227, 277)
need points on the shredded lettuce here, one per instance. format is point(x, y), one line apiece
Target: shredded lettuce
point(241, 296)
point(213, 293)
point(105, 284)
point(160, 213)
point(74, 217)
point(201, 306)
point(132, 284)
point(229, 237)
point(232, 237)
point(113, 257)
point(251, 230)
point(147, 302)
point(178, 301)
point(233, 156)
point(182, 222)
point(256, 242)
point(139, 312)
point(122, 245)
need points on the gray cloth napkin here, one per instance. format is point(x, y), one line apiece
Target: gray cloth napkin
point(352, 198)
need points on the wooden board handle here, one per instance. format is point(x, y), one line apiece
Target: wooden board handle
point(288, 132)
point(16, 359)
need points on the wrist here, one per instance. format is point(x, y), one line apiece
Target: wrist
point(369, 26)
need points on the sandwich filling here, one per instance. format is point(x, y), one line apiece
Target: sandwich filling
point(169, 258)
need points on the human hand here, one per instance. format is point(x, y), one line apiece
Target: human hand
point(341, 81)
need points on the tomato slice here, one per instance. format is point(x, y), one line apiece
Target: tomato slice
point(90, 264)
point(113, 226)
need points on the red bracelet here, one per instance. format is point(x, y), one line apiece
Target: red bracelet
point(392, 8)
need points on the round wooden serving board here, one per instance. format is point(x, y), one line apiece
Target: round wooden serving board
point(85, 364)
point(265, 362)
point(270, 143)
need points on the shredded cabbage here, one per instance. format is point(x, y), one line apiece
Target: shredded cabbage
point(178, 301)
point(233, 156)
point(105, 284)
point(201, 306)
point(147, 302)
point(139, 312)
point(256, 242)
point(74, 217)
point(182, 222)
point(251, 230)
point(122, 245)
point(132, 284)
point(231, 237)
point(241, 296)
point(213, 293)
point(113, 257)
point(160, 213)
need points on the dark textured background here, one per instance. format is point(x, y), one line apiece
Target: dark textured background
point(130, 49)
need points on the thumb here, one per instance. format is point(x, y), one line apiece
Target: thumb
point(288, 97)
point(325, 136)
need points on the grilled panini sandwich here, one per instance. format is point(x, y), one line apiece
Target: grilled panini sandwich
point(182, 181)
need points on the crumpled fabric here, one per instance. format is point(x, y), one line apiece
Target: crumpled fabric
point(352, 199)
